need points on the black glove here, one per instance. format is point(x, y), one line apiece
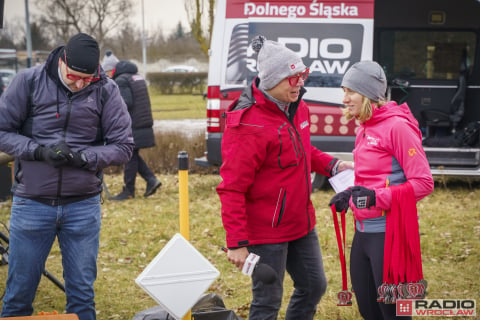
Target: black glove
point(340, 200)
point(363, 197)
point(51, 156)
point(78, 160)
point(75, 159)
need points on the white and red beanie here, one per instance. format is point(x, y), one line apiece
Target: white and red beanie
point(275, 62)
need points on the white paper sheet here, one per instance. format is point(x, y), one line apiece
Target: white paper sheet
point(342, 180)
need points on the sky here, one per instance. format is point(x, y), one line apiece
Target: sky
point(164, 14)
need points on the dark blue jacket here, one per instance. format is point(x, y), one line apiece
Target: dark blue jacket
point(134, 91)
point(37, 109)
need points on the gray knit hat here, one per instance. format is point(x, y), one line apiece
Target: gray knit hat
point(109, 61)
point(275, 62)
point(366, 78)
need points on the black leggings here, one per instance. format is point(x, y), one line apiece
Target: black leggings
point(366, 271)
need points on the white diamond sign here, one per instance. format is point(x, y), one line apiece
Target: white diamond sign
point(177, 276)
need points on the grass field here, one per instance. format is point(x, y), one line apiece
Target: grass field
point(133, 232)
point(168, 107)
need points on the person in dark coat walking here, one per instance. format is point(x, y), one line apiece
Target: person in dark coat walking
point(134, 91)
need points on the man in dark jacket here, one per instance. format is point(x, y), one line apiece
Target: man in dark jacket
point(134, 91)
point(63, 121)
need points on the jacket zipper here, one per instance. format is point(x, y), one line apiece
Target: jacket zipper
point(295, 146)
point(282, 196)
point(67, 120)
point(297, 152)
point(306, 173)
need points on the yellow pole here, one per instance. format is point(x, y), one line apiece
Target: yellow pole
point(183, 193)
point(183, 202)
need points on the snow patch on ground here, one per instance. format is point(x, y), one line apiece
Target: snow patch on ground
point(189, 127)
point(162, 64)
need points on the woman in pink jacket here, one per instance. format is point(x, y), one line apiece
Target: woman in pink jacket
point(390, 164)
point(265, 192)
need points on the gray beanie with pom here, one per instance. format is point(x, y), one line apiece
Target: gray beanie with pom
point(275, 62)
point(109, 61)
point(366, 78)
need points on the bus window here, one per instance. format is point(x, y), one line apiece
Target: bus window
point(432, 55)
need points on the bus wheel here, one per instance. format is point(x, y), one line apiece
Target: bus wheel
point(318, 181)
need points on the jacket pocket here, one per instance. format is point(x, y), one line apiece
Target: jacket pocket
point(289, 147)
point(279, 207)
point(367, 213)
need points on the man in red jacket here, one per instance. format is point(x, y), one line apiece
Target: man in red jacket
point(266, 187)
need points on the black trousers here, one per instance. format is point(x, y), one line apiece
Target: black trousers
point(366, 272)
point(134, 166)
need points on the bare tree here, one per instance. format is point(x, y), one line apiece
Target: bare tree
point(195, 13)
point(40, 40)
point(127, 44)
point(98, 18)
point(12, 33)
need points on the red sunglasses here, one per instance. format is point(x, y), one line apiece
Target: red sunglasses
point(293, 80)
point(74, 77)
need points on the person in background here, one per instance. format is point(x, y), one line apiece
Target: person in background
point(109, 62)
point(390, 164)
point(134, 91)
point(266, 187)
point(63, 121)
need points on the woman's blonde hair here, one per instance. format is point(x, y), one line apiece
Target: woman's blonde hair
point(366, 111)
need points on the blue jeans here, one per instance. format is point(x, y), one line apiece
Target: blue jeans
point(302, 259)
point(33, 228)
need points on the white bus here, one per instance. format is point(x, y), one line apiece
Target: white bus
point(428, 49)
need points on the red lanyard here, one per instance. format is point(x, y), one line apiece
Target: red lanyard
point(344, 296)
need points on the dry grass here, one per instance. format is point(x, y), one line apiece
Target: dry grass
point(133, 232)
point(163, 157)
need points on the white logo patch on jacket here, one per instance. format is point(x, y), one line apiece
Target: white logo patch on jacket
point(304, 124)
point(373, 141)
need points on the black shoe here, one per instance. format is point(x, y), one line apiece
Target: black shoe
point(152, 188)
point(124, 195)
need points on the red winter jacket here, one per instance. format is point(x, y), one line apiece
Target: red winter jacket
point(267, 160)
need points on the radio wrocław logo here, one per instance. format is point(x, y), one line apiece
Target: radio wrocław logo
point(437, 307)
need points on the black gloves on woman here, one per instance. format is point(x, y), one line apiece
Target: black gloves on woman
point(361, 197)
point(340, 200)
